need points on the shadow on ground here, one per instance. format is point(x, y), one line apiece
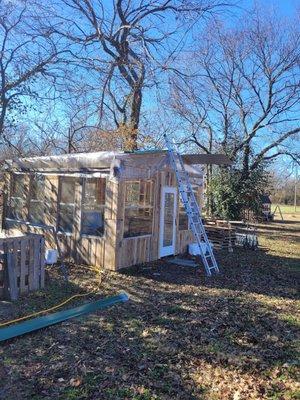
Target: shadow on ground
point(244, 271)
point(181, 336)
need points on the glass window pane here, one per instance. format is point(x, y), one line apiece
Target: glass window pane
point(67, 194)
point(183, 219)
point(66, 207)
point(168, 219)
point(132, 193)
point(138, 208)
point(94, 193)
point(16, 208)
point(66, 218)
point(92, 218)
point(37, 210)
point(148, 194)
point(92, 222)
point(138, 221)
point(18, 186)
point(37, 187)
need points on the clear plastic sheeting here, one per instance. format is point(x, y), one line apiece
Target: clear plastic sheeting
point(68, 162)
point(117, 164)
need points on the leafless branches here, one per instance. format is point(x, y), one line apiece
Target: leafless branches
point(125, 42)
point(29, 50)
point(248, 90)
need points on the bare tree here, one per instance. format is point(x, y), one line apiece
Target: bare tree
point(29, 50)
point(246, 96)
point(124, 43)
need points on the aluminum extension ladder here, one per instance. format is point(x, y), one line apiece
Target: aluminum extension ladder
point(192, 208)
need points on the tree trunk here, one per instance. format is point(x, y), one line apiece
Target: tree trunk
point(132, 129)
point(246, 160)
point(209, 194)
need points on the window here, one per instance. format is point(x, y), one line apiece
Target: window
point(138, 209)
point(18, 197)
point(93, 205)
point(37, 199)
point(66, 205)
point(183, 221)
point(183, 218)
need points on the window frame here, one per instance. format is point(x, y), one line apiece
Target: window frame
point(87, 235)
point(59, 203)
point(32, 177)
point(139, 206)
point(24, 201)
point(180, 205)
point(195, 188)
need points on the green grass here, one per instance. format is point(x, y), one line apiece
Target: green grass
point(287, 209)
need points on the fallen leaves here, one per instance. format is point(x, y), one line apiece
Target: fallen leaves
point(181, 337)
point(75, 382)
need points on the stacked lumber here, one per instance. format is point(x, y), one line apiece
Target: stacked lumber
point(221, 235)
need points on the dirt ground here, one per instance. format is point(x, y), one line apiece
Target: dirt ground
point(181, 335)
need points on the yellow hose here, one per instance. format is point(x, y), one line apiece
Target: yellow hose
point(44, 311)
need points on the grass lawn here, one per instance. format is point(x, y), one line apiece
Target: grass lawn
point(181, 336)
point(287, 211)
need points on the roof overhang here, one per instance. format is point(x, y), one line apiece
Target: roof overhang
point(206, 159)
point(104, 160)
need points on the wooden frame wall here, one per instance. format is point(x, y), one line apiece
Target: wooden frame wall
point(142, 249)
point(110, 251)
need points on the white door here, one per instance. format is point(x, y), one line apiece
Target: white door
point(167, 233)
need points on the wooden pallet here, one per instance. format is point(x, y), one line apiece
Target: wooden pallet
point(21, 265)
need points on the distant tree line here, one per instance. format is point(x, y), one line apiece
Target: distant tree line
point(283, 190)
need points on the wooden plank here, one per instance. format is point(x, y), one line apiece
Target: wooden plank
point(42, 263)
point(12, 277)
point(89, 250)
point(76, 240)
point(36, 262)
point(156, 224)
point(103, 253)
point(94, 246)
point(17, 255)
point(183, 262)
point(51, 197)
point(2, 271)
point(30, 263)
point(23, 266)
point(82, 246)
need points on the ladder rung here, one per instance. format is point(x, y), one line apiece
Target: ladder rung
point(191, 206)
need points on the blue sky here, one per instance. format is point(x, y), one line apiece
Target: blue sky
point(285, 8)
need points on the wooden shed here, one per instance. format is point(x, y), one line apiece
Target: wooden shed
point(109, 209)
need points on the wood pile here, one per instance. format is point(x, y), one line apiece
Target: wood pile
point(221, 234)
